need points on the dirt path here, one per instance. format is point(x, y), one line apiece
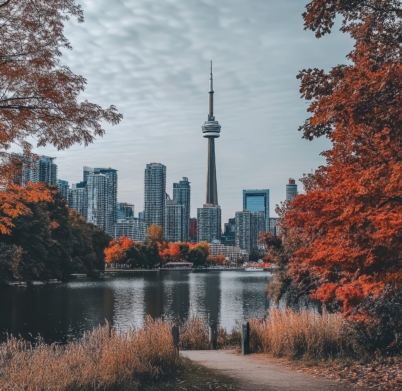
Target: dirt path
point(257, 373)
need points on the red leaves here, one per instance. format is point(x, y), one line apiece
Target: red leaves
point(351, 214)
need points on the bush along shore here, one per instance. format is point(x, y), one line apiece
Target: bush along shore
point(107, 359)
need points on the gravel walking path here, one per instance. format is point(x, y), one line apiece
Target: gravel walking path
point(258, 373)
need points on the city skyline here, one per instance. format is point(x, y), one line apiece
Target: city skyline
point(257, 47)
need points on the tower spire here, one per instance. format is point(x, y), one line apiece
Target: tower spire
point(211, 97)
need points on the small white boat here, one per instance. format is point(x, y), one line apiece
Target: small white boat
point(37, 283)
point(253, 269)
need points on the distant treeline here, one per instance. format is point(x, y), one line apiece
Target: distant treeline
point(52, 241)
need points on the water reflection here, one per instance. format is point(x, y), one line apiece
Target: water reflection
point(63, 312)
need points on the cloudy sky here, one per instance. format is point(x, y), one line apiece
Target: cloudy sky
point(151, 58)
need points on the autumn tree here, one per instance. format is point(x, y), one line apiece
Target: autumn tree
point(352, 206)
point(39, 95)
point(155, 234)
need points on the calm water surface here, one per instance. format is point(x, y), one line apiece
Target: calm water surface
point(62, 312)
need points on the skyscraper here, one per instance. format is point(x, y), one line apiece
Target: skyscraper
point(257, 201)
point(249, 225)
point(211, 130)
point(182, 194)
point(175, 222)
point(155, 194)
point(291, 189)
point(108, 209)
point(209, 223)
point(124, 210)
point(47, 170)
point(96, 187)
point(63, 188)
point(78, 198)
point(209, 216)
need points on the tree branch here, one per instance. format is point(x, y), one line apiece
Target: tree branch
point(5, 3)
point(23, 98)
point(18, 107)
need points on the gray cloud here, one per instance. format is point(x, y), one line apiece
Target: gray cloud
point(151, 59)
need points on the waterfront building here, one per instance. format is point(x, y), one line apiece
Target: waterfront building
point(229, 236)
point(63, 188)
point(175, 222)
point(258, 226)
point(78, 198)
point(124, 210)
point(155, 194)
point(291, 189)
point(257, 201)
point(96, 186)
point(141, 215)
point(193, 229)
point(209, 217)
point(209, 223)
point(182, 194)
point(233, 254)
point(249, 225)
point(133, 228)
point(243, 234)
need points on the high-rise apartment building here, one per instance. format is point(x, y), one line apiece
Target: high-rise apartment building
point(249, 225)
point(155, 194)
point(243, 233)
point(96, 187)
point(291, 189)
point(182, 194)
point(209, 223)
point(257, 201)
point(47, 170)
point(63, 188)
point(175, 222)
point(42, 169)
point(106, 215)
point(78, 198)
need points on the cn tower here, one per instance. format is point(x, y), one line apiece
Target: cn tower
point(211, 130)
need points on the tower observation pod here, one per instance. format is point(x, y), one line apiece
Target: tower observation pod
point(211, 130)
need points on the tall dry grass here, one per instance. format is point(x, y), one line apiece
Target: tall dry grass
point(103, 359)
point(194, 335)
point(301, 334)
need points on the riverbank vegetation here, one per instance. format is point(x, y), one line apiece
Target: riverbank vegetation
point(51, 241)
point(103, 359)
point(155, 251)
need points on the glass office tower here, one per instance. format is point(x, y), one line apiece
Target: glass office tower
point(257, 201)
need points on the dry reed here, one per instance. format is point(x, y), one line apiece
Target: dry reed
point(103, 359)
point(303, 334)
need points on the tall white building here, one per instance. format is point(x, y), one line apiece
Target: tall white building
point(97, 200)
point(209, 223)
point(155, 194)
point(103, 210)
point(175, 222)
point(182, 194)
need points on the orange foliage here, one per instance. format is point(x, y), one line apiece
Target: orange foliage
point(351, 213)
point(218, 260)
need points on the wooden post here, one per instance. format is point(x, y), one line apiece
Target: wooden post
point(176, 337)
point(245, 339)
point(213, 334)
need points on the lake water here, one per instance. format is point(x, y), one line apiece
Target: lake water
point(62, 312)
